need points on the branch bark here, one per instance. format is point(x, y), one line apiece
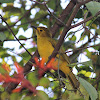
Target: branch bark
point(66, 29)
point(62, 17)
point(84, 21)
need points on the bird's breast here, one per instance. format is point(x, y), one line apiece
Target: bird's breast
point(45, 48)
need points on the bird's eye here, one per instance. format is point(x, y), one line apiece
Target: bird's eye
point(41, 30)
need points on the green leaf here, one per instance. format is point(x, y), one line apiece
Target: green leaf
point(21, 46)
point(4, 96)
point(32, 77)
point(11, 9)
point(54, 84)
point(68, 44)
point(87, 63)
point(86, 68)
point(25, 26)
point(32, 49)
point(89, 88)
point(52, 4)
point(15, 96)
point(27, 98)
point(73, 38)
point(6, 1)
point(2, 88)
point(98, 63)
point(5, 55)
point(73, 64)
point(42, 96)
point(41, 14)
point(2, 36)
point(22, 37)
point(79, 14)
point(44, 82)
point(93, 7)
point(98, 31)
point(25, 55)
point(55, 5)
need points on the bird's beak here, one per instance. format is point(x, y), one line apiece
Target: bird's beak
point(34, 27)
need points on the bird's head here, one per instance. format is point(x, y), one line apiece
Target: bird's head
point(42, 32)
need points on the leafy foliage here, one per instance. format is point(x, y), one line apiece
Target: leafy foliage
point(41, 81)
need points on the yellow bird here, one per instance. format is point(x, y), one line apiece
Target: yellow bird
point(46, 45)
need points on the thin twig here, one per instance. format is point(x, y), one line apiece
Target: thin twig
point(90, 32)
point(15, 35)
point(18, 39)
point(44, 3)
point(26, 13)
point(83, 48)
point(63, 16)
point(54, 16)
point(84, 21)
point(28, 22)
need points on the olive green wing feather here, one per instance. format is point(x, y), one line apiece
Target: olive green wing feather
point(61, 54)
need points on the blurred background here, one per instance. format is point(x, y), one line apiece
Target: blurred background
point(82, 42)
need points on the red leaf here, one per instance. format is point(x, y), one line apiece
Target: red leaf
point(2, 78)
point(17, 90)
point(18, 67)
point(43, 68)
point(6, 67)
point(19, 78)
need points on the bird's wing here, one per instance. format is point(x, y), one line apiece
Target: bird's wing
point(61, 54)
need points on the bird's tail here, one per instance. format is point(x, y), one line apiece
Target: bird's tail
point(73, 81)
point(69, 74)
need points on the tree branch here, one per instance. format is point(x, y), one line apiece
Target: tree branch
point(15, 35)
point(18, 39)
point(84, 21)
point(62, 17)
point(82, 48)
point(66, 29)
point(27, 68)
